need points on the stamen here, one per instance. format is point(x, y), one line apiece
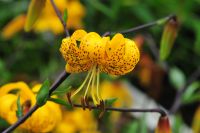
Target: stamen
point(81, 87)
point(69, 98)
point(91, 77)
point(83, 103)
point(98, 92)
point(93, 91)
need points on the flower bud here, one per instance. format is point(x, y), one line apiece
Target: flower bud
point(163, 125)
point(168, 37)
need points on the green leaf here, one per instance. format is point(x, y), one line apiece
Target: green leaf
point(19, 112)
point(73, 81)
point(177, 77)
point(177, 124)
point(131, 127)
point(190, 94)
point(143, 125)
point(62, 90)
point(65, 15)
point(43, 93)
point(61, 102)
point(110, 102)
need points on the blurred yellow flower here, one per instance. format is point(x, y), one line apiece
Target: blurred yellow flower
point(196, 121)
point(14, 26)
point(116, 90)
point(78, 120)
point(48, 20)
point(42, 120)
point(90, 52)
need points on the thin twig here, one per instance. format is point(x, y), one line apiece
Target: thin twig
point(60, 17)
point(148, 25)
point(160, 111)
point(59, 80)
point(177, 102)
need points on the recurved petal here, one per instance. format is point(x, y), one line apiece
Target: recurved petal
point(78, 35)
point(76, 68)
point(115, 45)
point(91, 45)
point(7, 111)
point(115, 50)
point(132, 55)
point(65, 47)
point(125, 62)
point(22, 88)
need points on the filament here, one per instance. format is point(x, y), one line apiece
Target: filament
point(89, 82)
point(98, 94)
point(82, 85)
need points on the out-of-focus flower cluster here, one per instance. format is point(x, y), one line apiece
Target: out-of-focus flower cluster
point(48, 20)
point(51, 117)
point(42, 120)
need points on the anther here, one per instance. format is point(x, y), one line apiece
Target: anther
point(83, 103)
point(69, 98)
point(88, 104)
point(103, 109)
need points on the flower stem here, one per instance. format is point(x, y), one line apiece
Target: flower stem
point(160, 111)
point(140, 27)
point(60, 17)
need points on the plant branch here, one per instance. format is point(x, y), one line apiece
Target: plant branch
point(60, 17)
point(59, 80)
point(140, 27)
point(177, 102)
point(160, 111)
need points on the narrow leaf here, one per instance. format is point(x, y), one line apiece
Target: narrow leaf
point(43, 93)
point(19, 108)
point(61, 102)
point(190, 93)
point(110, 102)
point(177, 77)
point(34, 10)
point(73, 81)
point(65, 15)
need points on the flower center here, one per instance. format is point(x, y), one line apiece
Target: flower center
point(91, 85)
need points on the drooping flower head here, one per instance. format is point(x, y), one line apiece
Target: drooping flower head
point(90, 52)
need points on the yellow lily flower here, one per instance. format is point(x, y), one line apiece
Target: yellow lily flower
point(78, 120)
point(45, 18)
point(41, 120)
point(90, 52)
